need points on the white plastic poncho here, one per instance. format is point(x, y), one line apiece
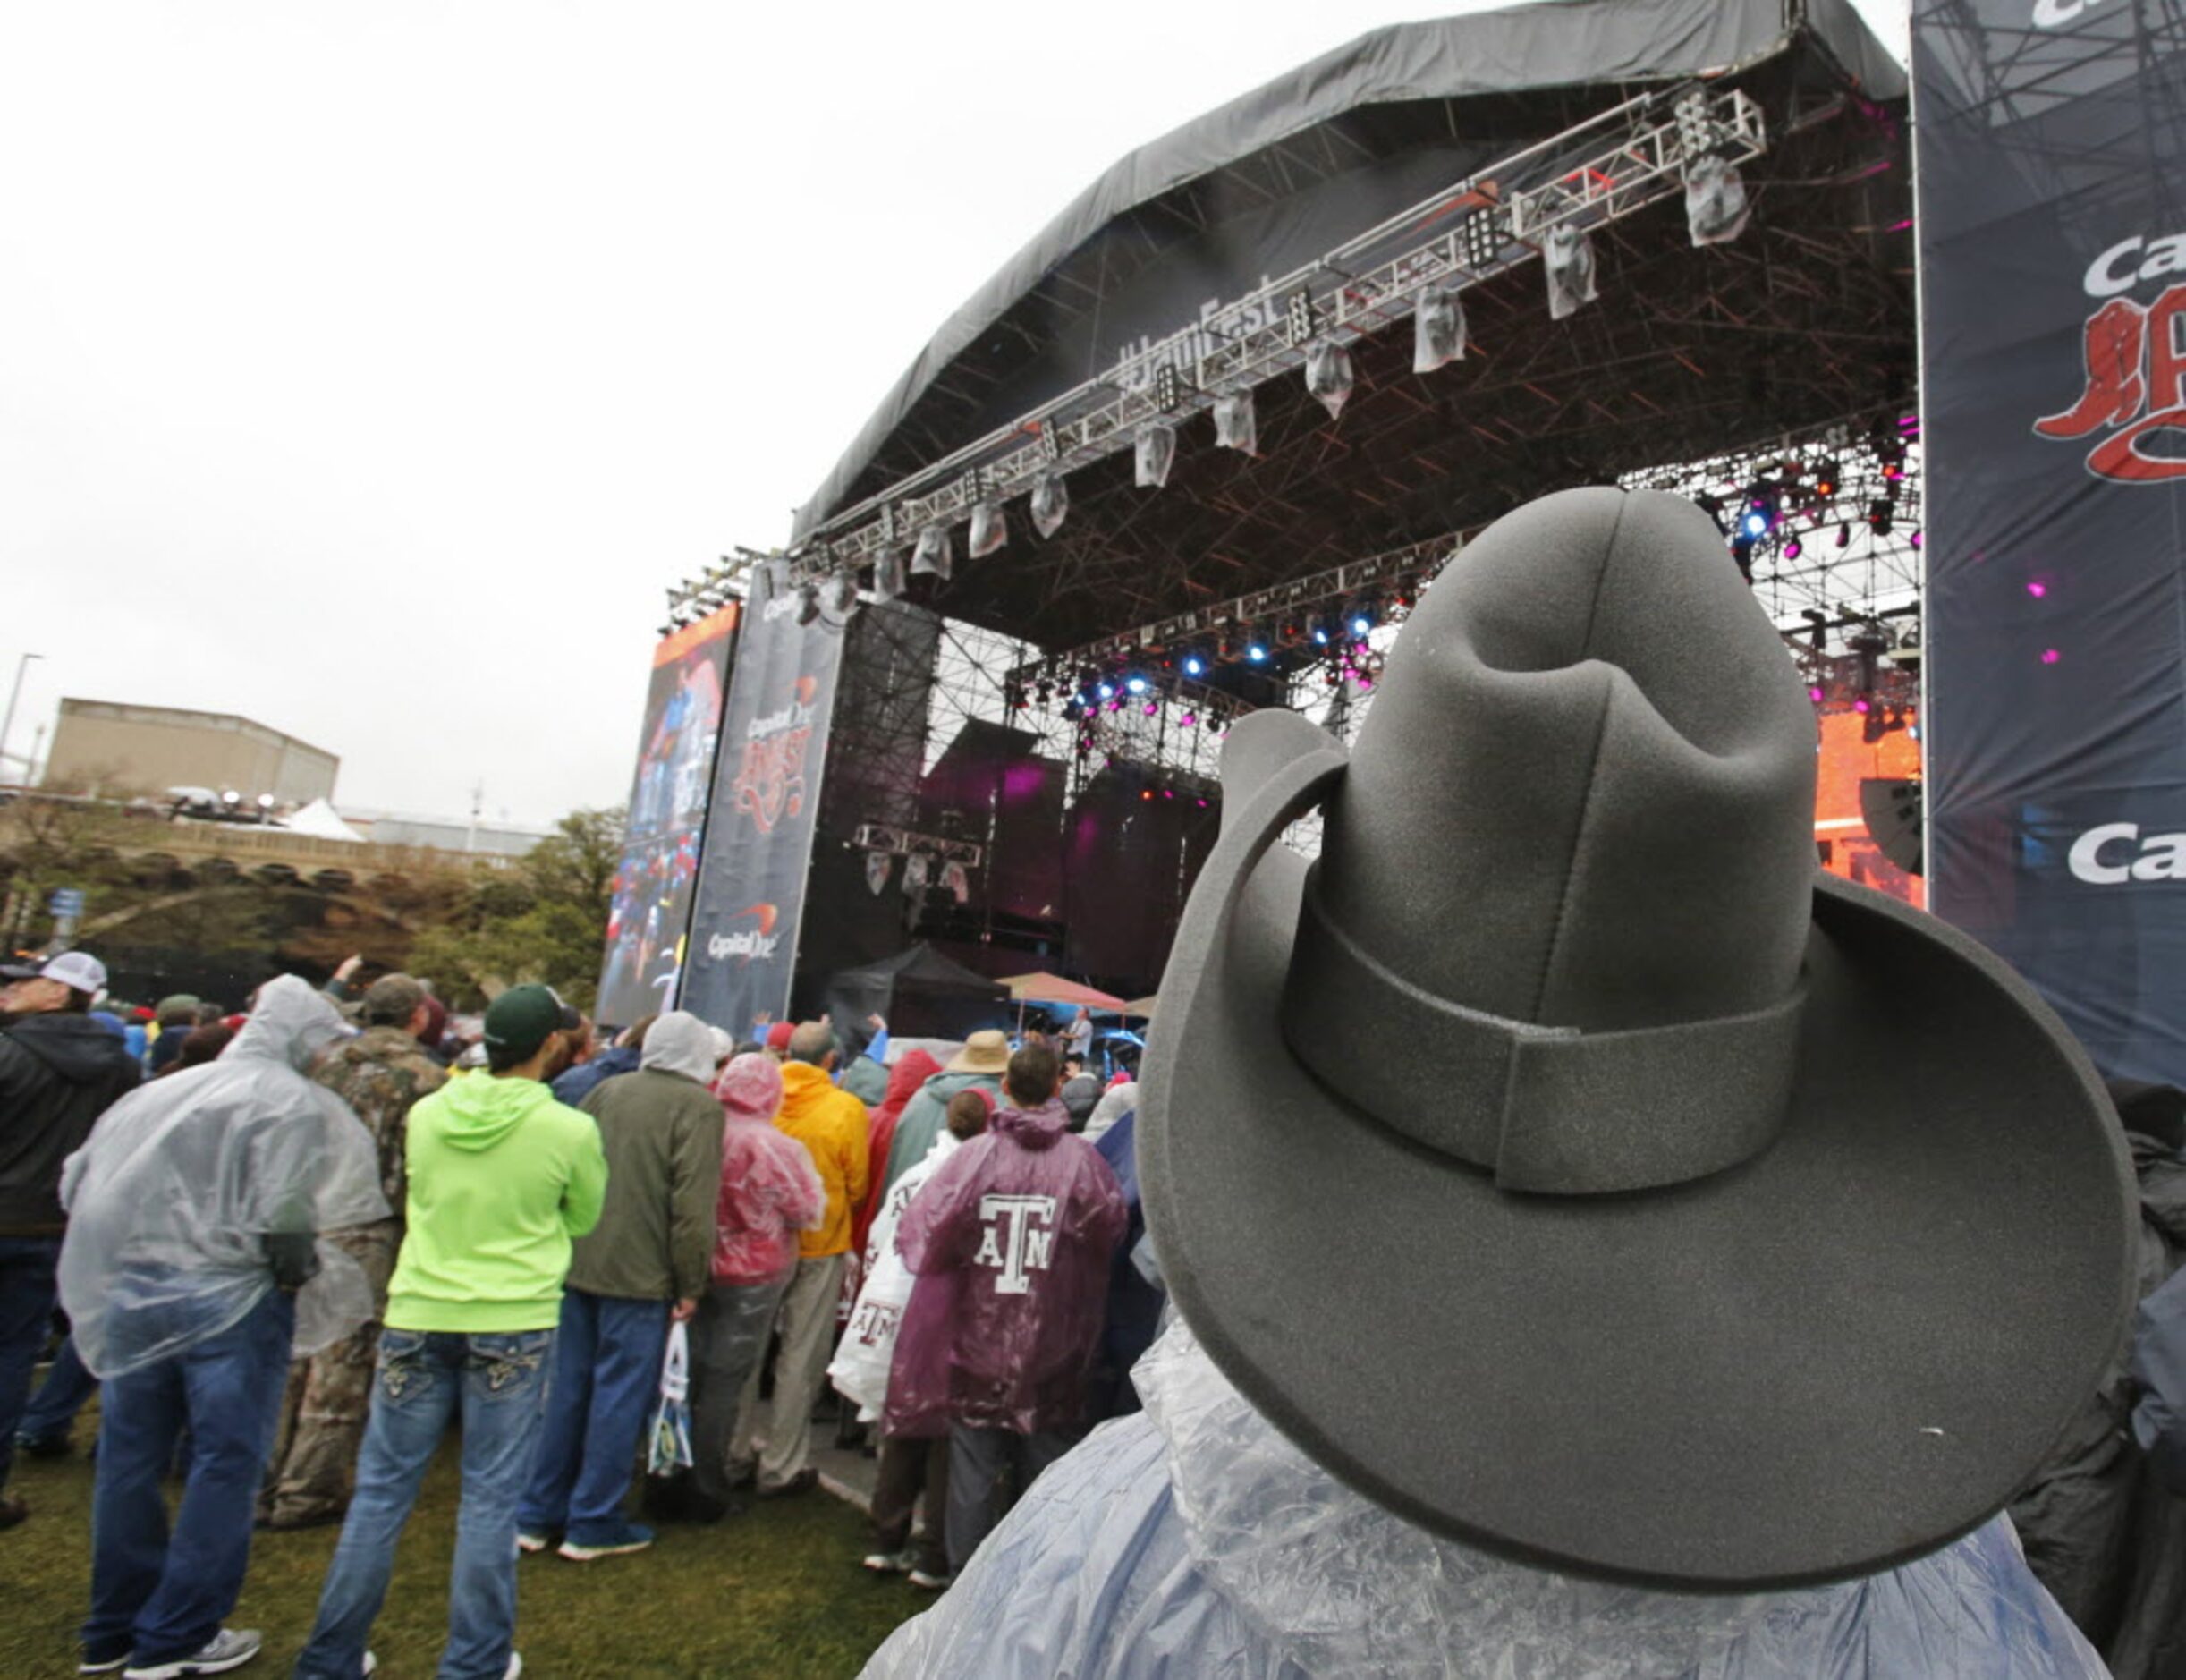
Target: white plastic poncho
point(172, 1197)
point(1194, 1539)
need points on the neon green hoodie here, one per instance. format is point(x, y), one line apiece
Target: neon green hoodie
point(502, 1178)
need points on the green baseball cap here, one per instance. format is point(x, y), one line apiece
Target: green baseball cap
point(520, 1020)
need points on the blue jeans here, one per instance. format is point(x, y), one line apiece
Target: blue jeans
point(54, 1407)
point(27, 1294)
point(158, 1596)
point(606, 1382)
point(497, 1384)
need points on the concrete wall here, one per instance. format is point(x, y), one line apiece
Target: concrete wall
point(103, 747)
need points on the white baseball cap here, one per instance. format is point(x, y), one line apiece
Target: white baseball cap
point(76, 968)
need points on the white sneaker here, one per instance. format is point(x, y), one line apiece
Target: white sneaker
point(888, 1562)
point(230, 1648)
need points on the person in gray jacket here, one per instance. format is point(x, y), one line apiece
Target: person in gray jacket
point(643, 1265)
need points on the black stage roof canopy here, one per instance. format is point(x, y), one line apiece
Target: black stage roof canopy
point(1539, 113)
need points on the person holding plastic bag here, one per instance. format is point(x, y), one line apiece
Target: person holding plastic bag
point(912, 1466)
point(1010, 1242)
point(770, 1193)
point(1604, 1244)
point(191, 1272)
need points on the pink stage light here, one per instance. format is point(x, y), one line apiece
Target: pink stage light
point(1814, 694)
point(1860, 705)
point(2050, 656)
point(2038, 589)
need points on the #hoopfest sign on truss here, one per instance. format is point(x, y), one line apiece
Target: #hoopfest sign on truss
point(758, 838)
point(2053, 299)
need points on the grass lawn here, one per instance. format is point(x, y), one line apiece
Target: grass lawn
point(777, 1592)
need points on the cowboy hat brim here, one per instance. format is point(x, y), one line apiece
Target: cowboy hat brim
point(1832, 1358)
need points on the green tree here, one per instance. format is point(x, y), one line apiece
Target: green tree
point(539, 917)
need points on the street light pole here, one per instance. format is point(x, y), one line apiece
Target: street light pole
point(7, 724)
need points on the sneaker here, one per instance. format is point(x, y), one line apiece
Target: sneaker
point(925, 1583)
point(371, 1665)
point(803, 1482)
point(230, 1648)
point(533, 1539)
point(888, 1562)
point(43, 1446)
point(631, 1537)
point(103, 1665)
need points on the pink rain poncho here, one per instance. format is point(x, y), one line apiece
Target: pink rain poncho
point(1011, 1242)
point(173, 1197)
point(770, 1190)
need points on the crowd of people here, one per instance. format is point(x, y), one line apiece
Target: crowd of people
point(289, 1264)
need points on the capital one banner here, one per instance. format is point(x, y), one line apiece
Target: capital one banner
point(668, 796)
point(758, 835)
point(2052, 249)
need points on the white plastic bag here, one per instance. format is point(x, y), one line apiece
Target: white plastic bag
point(669, 1447)
point(1236, 425)
point(1328, 374)
point(1154, 450)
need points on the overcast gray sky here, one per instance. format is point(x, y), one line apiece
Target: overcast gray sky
point(369, 370)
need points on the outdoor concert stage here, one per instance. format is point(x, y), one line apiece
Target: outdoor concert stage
point(1020, 755)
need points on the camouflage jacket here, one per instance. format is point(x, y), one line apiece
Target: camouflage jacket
point(380, 1073)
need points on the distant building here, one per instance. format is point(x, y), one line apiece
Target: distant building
point(442, 834)
point(105, 747)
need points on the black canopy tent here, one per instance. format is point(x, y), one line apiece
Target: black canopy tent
point(920, 993)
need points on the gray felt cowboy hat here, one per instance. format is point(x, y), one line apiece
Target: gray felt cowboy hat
point(1565, 1164)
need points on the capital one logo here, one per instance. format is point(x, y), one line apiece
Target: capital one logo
point(2114, 852)
point(1017, 1235)
point(2134, 367)
point(2055, 14)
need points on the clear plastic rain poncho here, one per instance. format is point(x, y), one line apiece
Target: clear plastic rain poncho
point(173, 1195)
point(1195, 1540)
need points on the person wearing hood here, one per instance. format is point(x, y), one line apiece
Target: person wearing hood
point(501, 1179)
point(644, 1265)
point(981, 1062)
point(574, 1084)
point(2102, 1527)
point(913, 1468)
point(770, 1194)
point(381, 1074)
point(192, 1270)
point(1599, 1242)
point(1009, 1242)
point(831, 1123)
point(59, 1070)
point(904, 1079)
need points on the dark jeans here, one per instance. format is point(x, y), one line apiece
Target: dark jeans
point(908, 1468)
point(497, 1385)
point(53, 1409)
point(728, 1340)
point(27, 1294)
point(606, 1382)
point(157, 1595)
point(976, 1461)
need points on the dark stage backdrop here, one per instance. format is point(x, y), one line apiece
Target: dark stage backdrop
point(2052, 249)
point(758, 833)
point(668, 798)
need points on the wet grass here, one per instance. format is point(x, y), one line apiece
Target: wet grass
point(775, 1593)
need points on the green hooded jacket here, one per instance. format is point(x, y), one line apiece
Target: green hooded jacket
point(502, 1178)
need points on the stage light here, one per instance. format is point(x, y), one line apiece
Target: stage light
point(1794, 549)
point(1136, 684)
point(1194, 666)
point(1152, 707)
point(2038, 589)
point(808, 602)
point(1881, 511)
point(1845, 536)
point(1188, 718)
point(1316, 629)
point(1814, 692)
point(1256, 650)
point(1861, 705)
point(1826, 480)
point(1760, 514)
point(1108, 691)
point(266, 801)
point(1914, 540)
point(2050, 656)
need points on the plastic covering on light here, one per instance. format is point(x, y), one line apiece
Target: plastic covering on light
point(1153, 456)
point(891, 575)
point(1194, 1539)
point(839, 594)
point(930, 556)
point(915, 869)
point(990, 528)
point(1568, 258)
point(1716, 210)
point(1236, 423)
point(878, 866)
point(1051, 504)
point(1437, 329)
point(1328, 374)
